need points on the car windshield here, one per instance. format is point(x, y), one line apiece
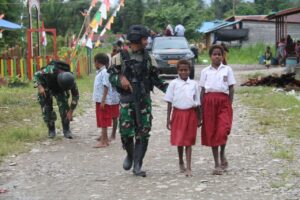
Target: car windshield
point(170, 43)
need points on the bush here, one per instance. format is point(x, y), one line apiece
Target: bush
point(17, 82)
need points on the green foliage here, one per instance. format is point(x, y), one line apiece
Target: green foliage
point(64, 15)
point(16, 81)
point(269, 6)
point(12, 11)
point(132, 13)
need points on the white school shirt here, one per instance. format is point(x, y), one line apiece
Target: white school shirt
point(179, 30)
point(101, 80)
point(183, 94)
point(217, 80)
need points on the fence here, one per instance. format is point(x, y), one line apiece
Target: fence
point(18, 67)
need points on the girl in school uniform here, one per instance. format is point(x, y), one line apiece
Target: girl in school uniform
point(183, 98)
point(216, 82)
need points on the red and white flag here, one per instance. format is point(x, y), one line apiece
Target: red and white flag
point(44, 38)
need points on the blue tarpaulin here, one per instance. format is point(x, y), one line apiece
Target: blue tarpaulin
point(6, 25)
point(208, 27)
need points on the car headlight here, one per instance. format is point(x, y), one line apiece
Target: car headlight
point(189, 55)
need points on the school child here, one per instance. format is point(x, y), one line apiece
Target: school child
point(183, 98)
point(268, 57)
point(107, 101)
point(216, 81)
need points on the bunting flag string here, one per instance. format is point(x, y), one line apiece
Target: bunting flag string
point(97, 21)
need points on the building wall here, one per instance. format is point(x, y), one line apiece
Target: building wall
point(294, 31)
point(259, 32)
point(265, 32)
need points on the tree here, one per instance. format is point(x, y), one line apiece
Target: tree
point(12, 11)
point(132, 13)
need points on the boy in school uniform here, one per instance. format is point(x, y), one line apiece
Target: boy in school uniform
point(107, 101)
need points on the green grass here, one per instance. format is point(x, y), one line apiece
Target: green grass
point(244, 55)
point(21, 119)
point(275, 113)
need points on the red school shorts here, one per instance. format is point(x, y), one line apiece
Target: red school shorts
point(103, 116)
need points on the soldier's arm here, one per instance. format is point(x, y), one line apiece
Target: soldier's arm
point(75, 97)
point(157, 82)
point(115, 71)
point(39, 77)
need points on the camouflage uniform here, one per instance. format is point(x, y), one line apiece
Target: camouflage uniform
point(47, 77)
point(127, 112)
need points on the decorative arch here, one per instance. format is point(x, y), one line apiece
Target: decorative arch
point(34, 4)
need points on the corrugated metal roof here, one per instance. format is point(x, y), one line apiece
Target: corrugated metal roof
point(208, 27)
point(282, 13)
point(295, 18)
point(247, 17)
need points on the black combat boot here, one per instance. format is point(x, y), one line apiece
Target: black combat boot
point(128, 145)
point(66, 130)
point(51, 129)
point(139, 153)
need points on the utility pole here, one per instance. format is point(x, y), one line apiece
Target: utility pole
point(233, 7)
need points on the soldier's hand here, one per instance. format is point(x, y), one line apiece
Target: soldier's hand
point(41, 90)
point(125, 83)
point(70, 115)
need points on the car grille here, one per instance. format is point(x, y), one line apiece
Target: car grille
point(172, 56)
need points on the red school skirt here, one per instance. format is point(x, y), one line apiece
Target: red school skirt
point(184, 127)
point(216, 119)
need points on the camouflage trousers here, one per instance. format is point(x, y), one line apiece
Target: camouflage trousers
point(128, 126)
point(46, 103)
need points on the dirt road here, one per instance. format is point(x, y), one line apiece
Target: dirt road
point(72, 170)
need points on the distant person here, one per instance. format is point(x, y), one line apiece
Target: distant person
point(179, 30)
point(117, 47)
point(195, 50)
point(290, 46)
point(106, 99)
point(268, 57)
point(169, 30)
point(226, 51)
point(217, 83)
point(56, 80)
point(281, 52)
point(183, 98)
point(150, 39)
point(297, 51)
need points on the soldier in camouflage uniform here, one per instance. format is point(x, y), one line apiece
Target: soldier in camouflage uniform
point(128, 68)
point(56, 80)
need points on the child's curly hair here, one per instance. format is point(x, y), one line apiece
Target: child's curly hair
point(215, 46)
point(183, 62)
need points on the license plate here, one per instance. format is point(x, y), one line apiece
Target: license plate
point(172, 62)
